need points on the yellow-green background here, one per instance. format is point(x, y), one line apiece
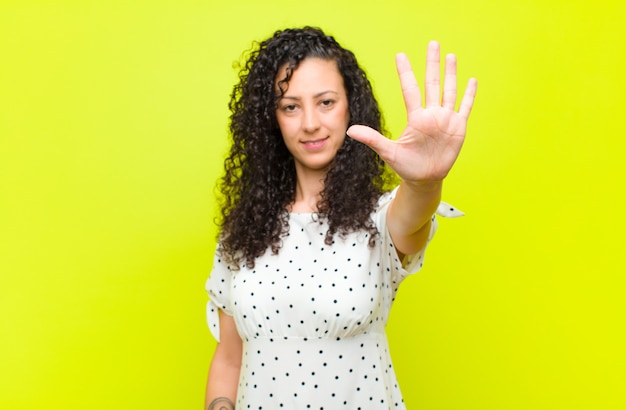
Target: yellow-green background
point(112, 131)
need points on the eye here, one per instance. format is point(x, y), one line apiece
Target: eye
point(288, 108)
point(327, 103)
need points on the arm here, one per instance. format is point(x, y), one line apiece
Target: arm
point(425, 151)
point(221, 391)
point(409, 215)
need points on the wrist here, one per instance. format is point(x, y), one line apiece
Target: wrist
point(422, 186)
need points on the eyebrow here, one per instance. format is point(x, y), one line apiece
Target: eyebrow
point(288, 97)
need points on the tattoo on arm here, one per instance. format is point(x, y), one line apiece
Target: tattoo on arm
point(221, 403)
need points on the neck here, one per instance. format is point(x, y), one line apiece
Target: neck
point(309, 187)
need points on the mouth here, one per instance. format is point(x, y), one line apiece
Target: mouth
point(315, 144)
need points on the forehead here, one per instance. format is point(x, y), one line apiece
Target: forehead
point(312, 73)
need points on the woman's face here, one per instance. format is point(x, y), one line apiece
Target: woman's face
point(313, 114)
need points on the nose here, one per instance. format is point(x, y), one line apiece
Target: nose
point(311, 121)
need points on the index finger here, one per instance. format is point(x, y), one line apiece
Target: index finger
point(410, 89)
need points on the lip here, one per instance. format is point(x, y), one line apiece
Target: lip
point(314, 145)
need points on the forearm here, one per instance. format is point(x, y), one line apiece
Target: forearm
point(409, 214)
point(221, 392)
point(221, 403)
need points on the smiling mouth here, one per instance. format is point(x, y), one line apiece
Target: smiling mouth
point(315, 143)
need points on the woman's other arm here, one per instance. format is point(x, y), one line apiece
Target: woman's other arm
point(221, 391)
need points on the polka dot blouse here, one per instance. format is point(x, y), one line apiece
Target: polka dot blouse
point(312, 318)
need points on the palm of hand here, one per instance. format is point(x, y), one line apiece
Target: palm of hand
point(434, 134)
point(429, 145)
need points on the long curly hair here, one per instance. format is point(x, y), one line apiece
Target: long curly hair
point(259, 181)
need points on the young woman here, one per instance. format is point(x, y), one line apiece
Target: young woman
point(313, 242)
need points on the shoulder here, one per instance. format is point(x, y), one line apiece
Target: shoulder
point(386, 197)
point(379, 214)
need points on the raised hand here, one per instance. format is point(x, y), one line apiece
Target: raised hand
point(434, 134)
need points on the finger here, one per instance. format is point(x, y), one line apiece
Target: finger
point(431, 83)
point(468, 98)
point(410, 89)
point(372, 138)
point(449, 83)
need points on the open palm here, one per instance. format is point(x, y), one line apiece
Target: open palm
point(434, 134)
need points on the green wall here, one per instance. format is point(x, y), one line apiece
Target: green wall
point(112, 132)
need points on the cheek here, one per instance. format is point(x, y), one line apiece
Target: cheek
point(342, 119)
point(286, 125)
point(344, 115)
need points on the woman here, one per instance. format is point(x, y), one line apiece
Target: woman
point(313, 245)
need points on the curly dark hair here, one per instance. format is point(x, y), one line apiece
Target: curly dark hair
point(260, 179)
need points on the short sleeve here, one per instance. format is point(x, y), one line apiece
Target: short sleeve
point(400, 269)
point(218, 288)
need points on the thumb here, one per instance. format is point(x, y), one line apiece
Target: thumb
point(372, 138)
